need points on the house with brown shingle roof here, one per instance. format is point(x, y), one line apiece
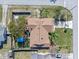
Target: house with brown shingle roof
point(39, 29)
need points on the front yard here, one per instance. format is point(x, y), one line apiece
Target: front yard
point(63, 38)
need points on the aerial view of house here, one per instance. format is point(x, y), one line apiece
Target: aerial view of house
point(39, 29)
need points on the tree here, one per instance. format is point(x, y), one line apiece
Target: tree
point(17, 29)
point(53, 37)
point(56, 12)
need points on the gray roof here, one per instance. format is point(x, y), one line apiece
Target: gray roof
point(1, 33)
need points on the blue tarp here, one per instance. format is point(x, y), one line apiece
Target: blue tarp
point(20, 39)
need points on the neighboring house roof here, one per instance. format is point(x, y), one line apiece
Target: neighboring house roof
point(39, 29)
point(2, 32)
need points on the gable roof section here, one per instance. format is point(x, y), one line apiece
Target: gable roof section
point(39, 36)
point(47, 23)
point(42, 21)
point(41, 27)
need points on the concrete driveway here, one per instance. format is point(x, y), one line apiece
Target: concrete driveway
point(65, 24)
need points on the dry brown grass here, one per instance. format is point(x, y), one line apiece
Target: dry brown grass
point(22, 55)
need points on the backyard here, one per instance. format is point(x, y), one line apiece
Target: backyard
point(57, 12)
point(19, 31)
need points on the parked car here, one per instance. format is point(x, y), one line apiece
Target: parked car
point(53, 1)
point(58, 55)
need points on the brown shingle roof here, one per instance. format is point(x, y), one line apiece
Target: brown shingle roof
point(39, 29)
point(42, 21)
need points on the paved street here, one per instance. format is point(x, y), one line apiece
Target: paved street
point(30, 2)
point(67, 3)
point(49, 56)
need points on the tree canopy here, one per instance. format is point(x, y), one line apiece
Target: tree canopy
point(17, 27)
point(56, 12)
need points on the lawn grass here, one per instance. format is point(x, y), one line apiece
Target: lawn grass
point(23, 55)
point(55, 12)
point(6, 48)
point(0, 13)
point(63, 39)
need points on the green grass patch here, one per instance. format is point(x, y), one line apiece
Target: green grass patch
point(63, 38)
